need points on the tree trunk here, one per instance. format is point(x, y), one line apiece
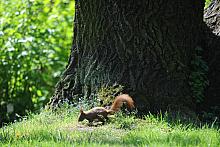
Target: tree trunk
point(145, 45)
point(212, 56)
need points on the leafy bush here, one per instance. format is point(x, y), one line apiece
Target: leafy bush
point(35, 41)
point(198, 76)
point(106, 94)
point(207, 2)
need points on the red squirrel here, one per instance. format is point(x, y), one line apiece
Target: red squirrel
point(101, 113)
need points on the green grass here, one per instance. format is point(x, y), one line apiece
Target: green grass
point(62, 129)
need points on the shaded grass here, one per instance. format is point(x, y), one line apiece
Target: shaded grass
point(61, 129)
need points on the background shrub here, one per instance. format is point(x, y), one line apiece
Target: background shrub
point(35, 38)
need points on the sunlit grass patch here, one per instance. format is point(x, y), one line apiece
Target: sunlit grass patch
point(61, 128)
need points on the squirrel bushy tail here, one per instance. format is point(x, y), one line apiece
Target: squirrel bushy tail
point(119, 100)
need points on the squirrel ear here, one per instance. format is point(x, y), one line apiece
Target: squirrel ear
point(81, 110)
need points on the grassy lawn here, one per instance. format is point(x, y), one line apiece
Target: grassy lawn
point(62, 129)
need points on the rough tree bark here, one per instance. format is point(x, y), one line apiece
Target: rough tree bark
point(212, 55)
point(145, 45)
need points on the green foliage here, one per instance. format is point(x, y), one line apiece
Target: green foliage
point(61, 129)
point(124, 121)
point(87, 104)
point(107, 94)
point(35, 38)
point(198, 77)
point(207, 2)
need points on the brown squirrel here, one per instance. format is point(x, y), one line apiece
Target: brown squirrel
point(101, 113)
